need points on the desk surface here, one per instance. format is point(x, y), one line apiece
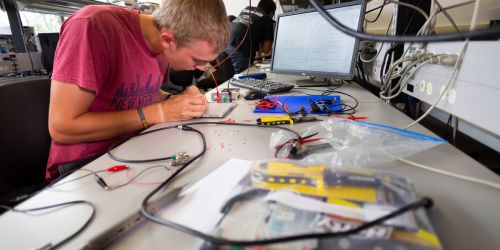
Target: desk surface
point(464, 214)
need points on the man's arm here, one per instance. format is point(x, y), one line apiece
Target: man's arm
point(266, 47)
point(71, 122)
point(161, 96)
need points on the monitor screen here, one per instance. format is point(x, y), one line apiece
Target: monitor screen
point(306, 44)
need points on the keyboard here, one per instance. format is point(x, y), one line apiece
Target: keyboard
point(269, 87)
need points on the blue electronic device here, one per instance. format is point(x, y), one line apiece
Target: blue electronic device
point(327, 104)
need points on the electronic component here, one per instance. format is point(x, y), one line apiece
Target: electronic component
point(225, 96)
point(283, 120)
point(116, 168)
point(180, 159)
point(274, 120)
point(321, 106)
point(101, 182)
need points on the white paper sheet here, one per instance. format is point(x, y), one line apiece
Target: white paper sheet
point(199, 207)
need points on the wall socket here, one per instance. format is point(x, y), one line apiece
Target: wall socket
point(476, 90)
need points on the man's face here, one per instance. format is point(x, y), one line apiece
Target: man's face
point(194, 55)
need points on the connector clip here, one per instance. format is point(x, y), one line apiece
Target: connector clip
point(180, 159)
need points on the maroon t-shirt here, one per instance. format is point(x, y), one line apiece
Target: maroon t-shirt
point(102, 49)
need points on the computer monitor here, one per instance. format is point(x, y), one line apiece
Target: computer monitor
point(306, 44)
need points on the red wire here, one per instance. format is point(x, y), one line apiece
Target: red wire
point(216, 88)
point(235, 49)
point(309, 140)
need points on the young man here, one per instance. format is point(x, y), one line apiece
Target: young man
point(258, 38)
point(108, 68)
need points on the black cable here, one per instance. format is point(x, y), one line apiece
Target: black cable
point(364, 74)
point(385, 67)
point(361, 72)
point(58, 244)
point(351, 108)
point(394, 47)
point(358, 71)
point(52, 184)
point(380, 12)
point(123, 140)
point(427, 202)
point(181, 126)
point(455, 36)
point(346, 108)
point(424, 202)
point(448, 125)
point(133, 178)
point(99, 179)
point(376, 8)
point(250, 36)
point(386, 61)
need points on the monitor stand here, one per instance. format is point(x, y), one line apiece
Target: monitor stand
point(313, 82)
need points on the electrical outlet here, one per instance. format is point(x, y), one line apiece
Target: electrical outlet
point(422, 86)
point(428, 88)
point(452, 96)
point(476, 87)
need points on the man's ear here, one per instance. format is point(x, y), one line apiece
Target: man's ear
point(167, 39)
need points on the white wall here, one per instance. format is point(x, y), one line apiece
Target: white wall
point(234, 7)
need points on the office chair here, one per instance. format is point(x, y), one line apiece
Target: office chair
point(25, 139)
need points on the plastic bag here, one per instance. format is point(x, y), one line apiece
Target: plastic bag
point(285, 198)
point(346, 143)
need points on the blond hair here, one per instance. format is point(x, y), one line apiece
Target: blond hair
point(191, 20)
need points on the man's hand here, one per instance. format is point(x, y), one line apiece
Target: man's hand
point(183, 107)
point(192, 90)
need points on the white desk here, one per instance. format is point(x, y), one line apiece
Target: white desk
point(464, 214)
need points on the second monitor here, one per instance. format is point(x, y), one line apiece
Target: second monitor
point(306, 44)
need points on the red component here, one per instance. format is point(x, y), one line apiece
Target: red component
point(354, 118)
point(228, 121)
point(217, 98)
point(265, 104)
point(216, 88)
point(309, 140)
point(116, 168)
